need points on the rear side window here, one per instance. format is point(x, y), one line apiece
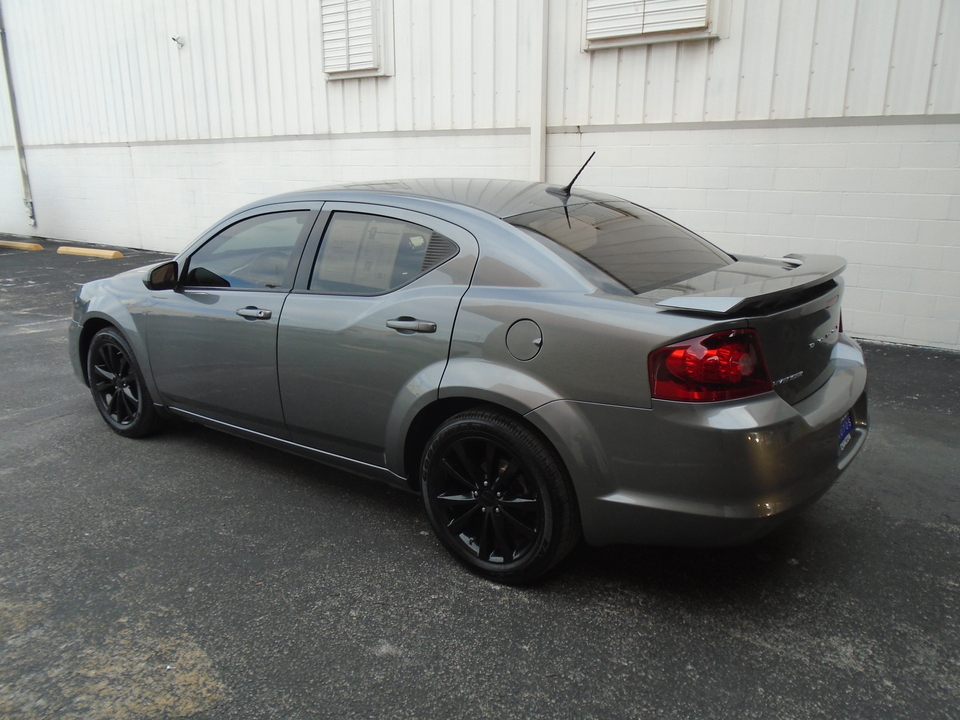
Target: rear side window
point(638, 248)
point(370, 254)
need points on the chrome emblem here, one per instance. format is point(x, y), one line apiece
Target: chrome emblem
point(825, 338)
point(788, 378)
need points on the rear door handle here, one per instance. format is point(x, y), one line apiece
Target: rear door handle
point(409, 324)
point(254, 313)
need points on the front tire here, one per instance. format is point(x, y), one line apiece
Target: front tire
point(498, 497)
point(117, 386)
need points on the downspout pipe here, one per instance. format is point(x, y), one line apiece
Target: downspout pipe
point(17, 137)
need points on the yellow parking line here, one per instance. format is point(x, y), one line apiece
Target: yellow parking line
point(90, 252)
point(15, 245)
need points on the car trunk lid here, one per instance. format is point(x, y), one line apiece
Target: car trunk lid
point(793, 303)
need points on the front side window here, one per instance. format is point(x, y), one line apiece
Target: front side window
point(636, 247)
point(370, 254)
point(253, 253)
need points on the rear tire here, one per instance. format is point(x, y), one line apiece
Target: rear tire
point(498, 496)
point(117, 386)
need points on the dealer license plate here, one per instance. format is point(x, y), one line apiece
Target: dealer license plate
point(846, 431)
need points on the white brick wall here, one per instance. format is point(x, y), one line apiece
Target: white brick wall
point(886, 197)
point(12, 210)
point(161, 196)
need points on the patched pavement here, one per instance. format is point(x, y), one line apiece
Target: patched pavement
point(197, 575)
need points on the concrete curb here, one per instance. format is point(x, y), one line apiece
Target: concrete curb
point(16, 245)
point(90, 252)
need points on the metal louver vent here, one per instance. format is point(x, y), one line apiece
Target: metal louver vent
point(439, 249)
point(349, 35)
point(605, 19)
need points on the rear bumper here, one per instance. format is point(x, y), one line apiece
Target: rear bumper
point(707, 474)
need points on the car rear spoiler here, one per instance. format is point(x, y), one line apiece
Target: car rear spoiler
point(735, 288)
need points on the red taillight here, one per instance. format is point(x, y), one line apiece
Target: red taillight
point(721, 366)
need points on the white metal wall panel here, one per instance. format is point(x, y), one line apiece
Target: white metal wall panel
point(723, 69)
point(18, 45)
point(774, 59)
point(558, 16)
point(795, 43)
point(945, 79)
point(691, 81)
point(441, 72)
point(631, 84)
point(830, 60)
point(603, 87)
point(870, 58)
point(421, 51)
point(243, 99)
point(193, 92)
point(280, 26)
point(911, 60)
point(352, 111)
point(402, 83)
point(575, 64)
point(6, 121)
point(757, 59)
point(506, 53)
point(461, 44)
point(661, 83)
point(211, 106)
point(107, 71)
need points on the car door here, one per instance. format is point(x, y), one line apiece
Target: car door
point(366, 332)
point(213, 340)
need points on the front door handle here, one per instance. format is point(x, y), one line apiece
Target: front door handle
point(254, 313)
point(408, 324)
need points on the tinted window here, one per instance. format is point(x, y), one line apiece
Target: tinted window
point(253, 253)
point(369, 254)
point(636, 247)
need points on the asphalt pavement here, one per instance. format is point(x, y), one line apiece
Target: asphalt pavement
point(197, 575)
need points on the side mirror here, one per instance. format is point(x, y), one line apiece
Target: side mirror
point(162, 277)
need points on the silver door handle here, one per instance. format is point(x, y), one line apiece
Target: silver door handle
point(410, 324)
point(254, 313)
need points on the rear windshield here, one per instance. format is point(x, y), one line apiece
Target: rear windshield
point(636, 247)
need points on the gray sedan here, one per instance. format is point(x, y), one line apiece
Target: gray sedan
point(541, 364)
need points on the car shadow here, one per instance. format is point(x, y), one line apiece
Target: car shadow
point(807, 548)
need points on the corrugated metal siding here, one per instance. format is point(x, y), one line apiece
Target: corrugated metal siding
point(775, 59)
point(6, 123)
point(945, 79)
point(97, 71)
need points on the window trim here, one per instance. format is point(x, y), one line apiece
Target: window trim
point(709, 32)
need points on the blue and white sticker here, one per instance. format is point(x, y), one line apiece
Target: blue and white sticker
point(846, 431)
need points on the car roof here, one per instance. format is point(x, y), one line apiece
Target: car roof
point(500, 198)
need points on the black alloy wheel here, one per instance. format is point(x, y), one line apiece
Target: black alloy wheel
point(497, 496)
point(117, 385)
